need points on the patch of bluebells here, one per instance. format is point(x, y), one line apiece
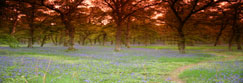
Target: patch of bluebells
point(12, 67)
point(15, 67)
point(102, 64)
point(101, 52)
point(221, 71)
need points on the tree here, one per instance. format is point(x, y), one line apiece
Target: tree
point(30, 10)
point(68, 10)
point(236, 28)
point(183, 10)
point(121, 10)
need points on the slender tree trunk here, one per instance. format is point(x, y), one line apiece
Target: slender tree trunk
point(43, 41)
point(95, 40)
point(235, 29)
point(83, 41)
point(118, 36)
point(182, 40)
point(90, 41)
point(127, 44)
point(98, 39)
point(56, 39)
point(238, 36)
point(65, 39)
point(104, 39)
point(53, 39)
point(238, 27)
point(223, 26)
point(237, 39)
point(232, 36)
point(61, 37)
point(231, 40)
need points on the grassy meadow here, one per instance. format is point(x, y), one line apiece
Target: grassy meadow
point(98, 64)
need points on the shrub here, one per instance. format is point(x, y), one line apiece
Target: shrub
point(9, 40)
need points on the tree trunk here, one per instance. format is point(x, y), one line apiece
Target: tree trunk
point(71, 32)
point(104, 39)
point(232, 36)
point(98, 39)
point(237, 39)
point(238, 28)
point(31, 39)
point(118, 36)
point(95, 41)
point(235, 28)
point(43, 41)
point(61, 37)
point(83, 41)
point(54, 40)
point(90, 41)
point(65, 39)
point(231, 40)
point(127, 44)
point(181, 40)
point(238, 36)
point(31, 25)
point(223, 26)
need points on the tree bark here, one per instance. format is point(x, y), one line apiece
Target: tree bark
point(237, 39)
point(43, 41)
point(231, 40)
point(61, 37)
point(71, 32)
point(118, 36)
point(90, 41)
point(236, 31)
point(31, 39)
point(69, 37)
point(31, 25)
point(83, 41)
point(223, 26)
point(104, 39)
point(182, 40)
point(238, 28)
point(127, 44)
point(54, 39)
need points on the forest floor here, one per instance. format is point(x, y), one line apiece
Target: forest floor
point(139, 64)
point(175, 74)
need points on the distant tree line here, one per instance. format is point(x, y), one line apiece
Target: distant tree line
point(121, 22)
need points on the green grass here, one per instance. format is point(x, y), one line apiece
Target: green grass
point(174, 47)
point(229, 71)
point(150, 68)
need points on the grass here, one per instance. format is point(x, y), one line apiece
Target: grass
point(174, 47)
point(93, 64)
point(229, 71)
